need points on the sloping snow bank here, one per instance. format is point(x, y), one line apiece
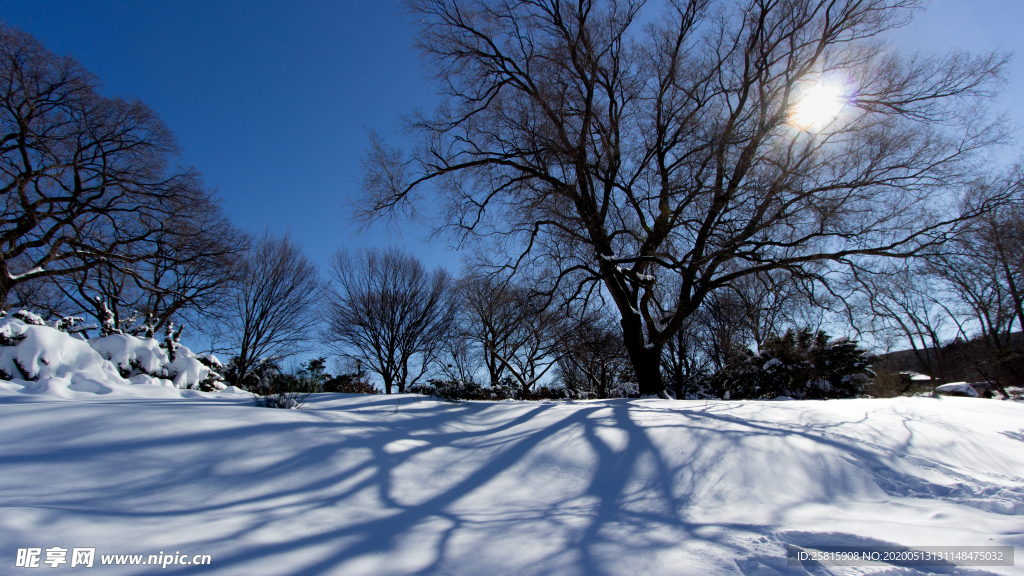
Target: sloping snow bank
point(367, 485)
point(40, 360)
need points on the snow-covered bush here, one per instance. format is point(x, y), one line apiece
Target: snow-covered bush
point(799, 364)
point(134, 356)
point(352, 383)
point(72, 325)
point(258, 372)
point(39, 359)
point(30, 351)
point(454, 391)
point(624, 389)
point(29, 318)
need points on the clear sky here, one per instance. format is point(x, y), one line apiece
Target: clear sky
point(270, 100)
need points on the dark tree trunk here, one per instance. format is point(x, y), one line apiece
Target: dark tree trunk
point(646, 361)
point(5, 285)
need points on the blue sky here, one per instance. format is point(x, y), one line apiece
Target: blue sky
point(270, 100)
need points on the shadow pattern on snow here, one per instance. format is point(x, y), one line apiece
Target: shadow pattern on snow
point(373, 486)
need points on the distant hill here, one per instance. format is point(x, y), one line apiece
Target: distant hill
point(971, 361)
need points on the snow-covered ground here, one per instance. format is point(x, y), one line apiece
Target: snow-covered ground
point(378, 485)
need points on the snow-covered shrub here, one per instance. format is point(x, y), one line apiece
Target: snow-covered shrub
point(799, 364)
point(425, 389)
point(258, 372)
point(52, 359)
point(214, 381)
point(453, 390)
point(134, 356)
point(73, 325)
point(624, 389)
point(29, 318)
point(9, 335)
point(548, 393)
point(506, 389)
point(40, 359)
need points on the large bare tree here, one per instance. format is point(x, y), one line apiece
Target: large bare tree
point(720, 140)
point(271, 309)
point(84, 178)
point(387, 310)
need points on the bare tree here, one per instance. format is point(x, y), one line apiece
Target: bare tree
point(83, 178)
point(900, 306)
point(983, 271)
point(385, 309)
point(592, 359)
point(459, 360)
point(517, 336)
point(984, 265)
point(271, 309)
point(691, 153)
point(686, 359)
point(956, 305)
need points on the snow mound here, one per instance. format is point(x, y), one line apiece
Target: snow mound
point(958, 388)
point(39, 360)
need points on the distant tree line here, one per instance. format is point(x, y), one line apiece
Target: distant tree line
point(648, 217)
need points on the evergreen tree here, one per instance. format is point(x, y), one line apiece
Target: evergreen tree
point(800, 364)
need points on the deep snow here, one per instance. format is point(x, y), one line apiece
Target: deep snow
point(409, 485)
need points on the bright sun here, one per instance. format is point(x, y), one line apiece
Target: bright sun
point(818, 107)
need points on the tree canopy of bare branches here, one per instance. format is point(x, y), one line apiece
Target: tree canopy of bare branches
point(517, 336)
point(385, 309)
point(966, 292)
point(681, 154)
point(181, 274)
point(592, 359)
point(84, 178)
point(272, 306)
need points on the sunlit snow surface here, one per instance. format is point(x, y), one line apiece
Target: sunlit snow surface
point(360, 485)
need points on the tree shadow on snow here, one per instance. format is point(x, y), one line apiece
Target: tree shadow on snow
point(372, 486)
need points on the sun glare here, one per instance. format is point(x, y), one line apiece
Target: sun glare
point(818, 107)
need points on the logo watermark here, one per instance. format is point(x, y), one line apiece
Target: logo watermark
point(87, 558)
